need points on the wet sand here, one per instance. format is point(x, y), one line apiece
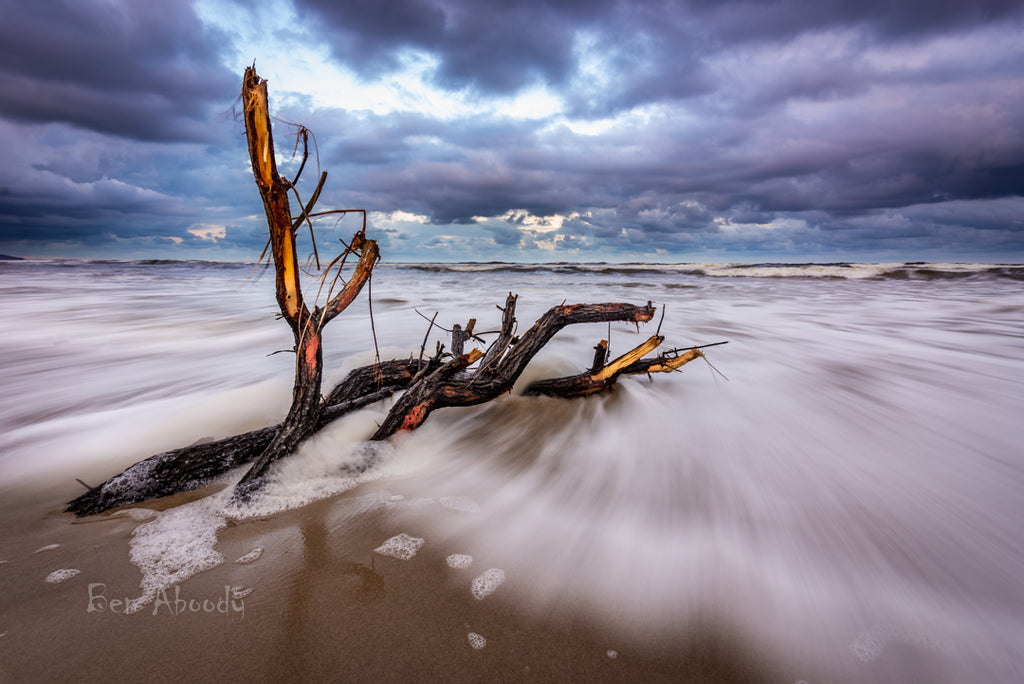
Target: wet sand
point(318, 604)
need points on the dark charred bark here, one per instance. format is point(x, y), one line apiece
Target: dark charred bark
point(502, 364)
point(170, 472)
point(198, 465)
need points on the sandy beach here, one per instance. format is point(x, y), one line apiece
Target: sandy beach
point(318, 604)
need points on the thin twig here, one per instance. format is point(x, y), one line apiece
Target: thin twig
point(425, 337)
point(432, 321)
point(306, 212)
point(714, 369)
point(699, 346)
point(376, 350)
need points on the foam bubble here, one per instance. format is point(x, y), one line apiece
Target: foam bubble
point(459, 504)
point(400, 546)
point(49, 547)
point(485, 584)
point(459, 560)
point(253, 555)
point(58, 576)
point(476, 641)
point(240, 592)
point(613, 654)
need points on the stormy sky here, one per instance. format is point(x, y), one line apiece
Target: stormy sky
point(559, 130)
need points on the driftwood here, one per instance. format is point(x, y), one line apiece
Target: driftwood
point(197, 465)
point(459, 378)
point(429, 384)
point(500, 366)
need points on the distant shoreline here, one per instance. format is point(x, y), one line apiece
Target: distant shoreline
point(7, 257)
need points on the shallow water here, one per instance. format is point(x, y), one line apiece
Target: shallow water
point(848, 501)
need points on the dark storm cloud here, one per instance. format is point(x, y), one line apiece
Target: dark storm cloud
point(142, 70)
point(900, 131)
point(655, 50)
point(669, 178)
point(739, 20)
point(492, 45)
point(102, 106)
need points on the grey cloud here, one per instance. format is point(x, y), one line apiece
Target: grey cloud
point(147, 71)
point(882, 140)
point(737, 20)
point(656, 51)
point(488, 44)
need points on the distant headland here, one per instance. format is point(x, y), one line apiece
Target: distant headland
point(5, 257)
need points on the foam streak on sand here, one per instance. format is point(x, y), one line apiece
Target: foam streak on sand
point(459, 561)
point(176, 545)
point(250, 557)
point(58, 576)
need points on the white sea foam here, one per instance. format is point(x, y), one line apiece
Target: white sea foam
point(240, 591)
point(58, 576)
point(48, 547)
point(476, 641)
point(418, 502)
point(176, 545)
point(459, 504)
point(334, 461)
point(400, 546)
point(459, 560)
point(841, 271)
point(137, 514)
point(487, 583)
point(870, 644)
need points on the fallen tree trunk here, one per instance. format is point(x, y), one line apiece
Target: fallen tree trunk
point(430, 385)
point(195, 466)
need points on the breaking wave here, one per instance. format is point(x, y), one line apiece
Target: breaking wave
point(829, 271)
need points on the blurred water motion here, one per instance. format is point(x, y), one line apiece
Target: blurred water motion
point(850, 498)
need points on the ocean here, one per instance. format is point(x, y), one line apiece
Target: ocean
point(839, 490)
